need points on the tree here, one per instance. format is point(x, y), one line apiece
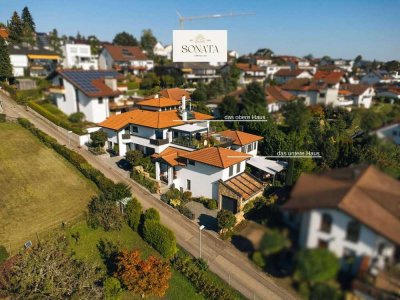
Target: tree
point(98, 138)
point(358, 59)
point(105, 213)
point(28, 36)
point(133, 157)
point(112, 289)
point(49, 271)
point(148, 41)
point(55, 42)
point(228, 107)
point(273, 242)
point(148, 277)
point(297, 117)
point(324, 291)
point(225, 219)
point(315, 265)
point(151, 214)
point(125, 39)
point(133, 212)
point(149, 81)
point(15, 28)
point(118, 192)
point(94, 44)
point(370, 120)
point(254, 96)
point(202, 108)
point(167, 81)
point(199, 95)
point(77, 117)
point(27, 19)
point(5, 63)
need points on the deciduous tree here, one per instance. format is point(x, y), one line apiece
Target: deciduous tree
point(125, 39)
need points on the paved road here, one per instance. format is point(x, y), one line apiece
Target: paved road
point(223, 259)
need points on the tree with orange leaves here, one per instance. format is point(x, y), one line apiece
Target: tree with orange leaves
point(148, 277)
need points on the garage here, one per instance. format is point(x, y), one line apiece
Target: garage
point(229, 204)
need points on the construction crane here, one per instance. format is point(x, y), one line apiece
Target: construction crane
point(182, 19)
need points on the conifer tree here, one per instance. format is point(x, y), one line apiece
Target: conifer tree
point(5, 64)
point(27, 19)
point(15, 28)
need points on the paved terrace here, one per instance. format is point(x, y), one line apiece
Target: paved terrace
point(223, 259)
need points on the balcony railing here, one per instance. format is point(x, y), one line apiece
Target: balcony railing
point(159, 142)
point(126, 136)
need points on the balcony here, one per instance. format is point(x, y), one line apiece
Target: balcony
point(159, 142)
point(57, 90)
point(126, 136)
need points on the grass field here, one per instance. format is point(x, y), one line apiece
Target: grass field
point(38, 188)
point(86, 249)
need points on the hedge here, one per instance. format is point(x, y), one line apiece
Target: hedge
point(203, 283)
point(55, 119)
point(160, 238)
point(207, 202)
point(103, 183)
point(149, 184)
point(133, 213)
point(186, 212)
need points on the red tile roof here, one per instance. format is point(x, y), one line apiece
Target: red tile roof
point(329, 76)
point(175, 94)
point(354, 89)
point(125, 53)
point(170, 156)
point(217, 157)
point(250, 67)
point(3, 33)
point(275, 93)
point(159, 102)
point(363, 192)
point(240, 138)
point(148, 118)
point(289, 72)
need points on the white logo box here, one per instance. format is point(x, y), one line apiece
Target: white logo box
point(200, 46)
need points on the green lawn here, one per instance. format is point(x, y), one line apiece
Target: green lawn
point(38, 188)
point(86, 249)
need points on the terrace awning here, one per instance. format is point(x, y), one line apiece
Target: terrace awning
point(267, 165)
point(43, 56)
point(191, 128)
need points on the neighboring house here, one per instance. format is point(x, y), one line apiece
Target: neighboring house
point(284, 75)
point(323, 88)
point(277, 98)
point(390, 132)
point(389, 91)
point(160, 50)
point(242, 141)
point(4, 33)
point(175, 94)
point(377, 76)
point(197, 71)
point(93, 93)
point(79, 56)
point(353, 212)
point(124, 59)
point(271, 70)
point(360, 94)
point(32, 61)
point(251, 72)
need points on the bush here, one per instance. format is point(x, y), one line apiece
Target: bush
point(2, 118)
point(324, 291)
point(160, 237)
point(149, 184)
point(201, 264)
point(133, 212)
point(226, 219)
point(151, 214)
point(172, 193)
point(186, 212)
point(98, 138)
point(273, 242)
point(133, 157)
point(23, 97)
point(207, 202)
point(133, 85)
point(3, 254)
point(77, 117)
point(109, 251)
point(258, 259)
point(112, 289)
point(186, 196)
point(105, 213)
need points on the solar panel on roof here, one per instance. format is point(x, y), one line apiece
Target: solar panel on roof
point(84, 78)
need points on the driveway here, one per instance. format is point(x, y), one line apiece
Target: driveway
point(204, 216)
point(223, 259)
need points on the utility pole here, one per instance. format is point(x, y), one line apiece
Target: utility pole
point(200, 229)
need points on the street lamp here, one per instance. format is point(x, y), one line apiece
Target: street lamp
point(201, 228)
point(69, 138)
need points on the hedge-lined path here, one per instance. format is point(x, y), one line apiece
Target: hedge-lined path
point(223, 259)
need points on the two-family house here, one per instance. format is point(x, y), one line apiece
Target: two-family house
point(79, 56)
point(360, 94)
point(284, 75)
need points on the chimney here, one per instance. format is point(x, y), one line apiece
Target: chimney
point(111, 82)
point(184, 112)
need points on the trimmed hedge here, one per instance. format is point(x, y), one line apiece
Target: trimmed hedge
point(186, 212)
point(133, 213)
point(55, 119)
point(149, 184)
point(207, 202)
point(151, 214)
point(160, 238)
point(103, 183)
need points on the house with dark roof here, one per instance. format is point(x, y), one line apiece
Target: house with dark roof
point(354, 212)
point(376, 76)
point(94, 93)
point(124, 59)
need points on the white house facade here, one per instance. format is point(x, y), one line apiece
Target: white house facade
point(79, 56)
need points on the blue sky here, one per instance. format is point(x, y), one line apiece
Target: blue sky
point(337, 28)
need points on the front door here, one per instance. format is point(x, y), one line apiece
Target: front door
point(229, 204)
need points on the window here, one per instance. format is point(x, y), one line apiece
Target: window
point(64, 99)
point(191, 162)
point(322, 95)
point(353, 231)
point(188, 185)
point(238, 168)
point(326, 223)
point(244, 149)
point(61, 81)
point(231, 171)
point(134, 129)
point(249, 148)
point(100, 100)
